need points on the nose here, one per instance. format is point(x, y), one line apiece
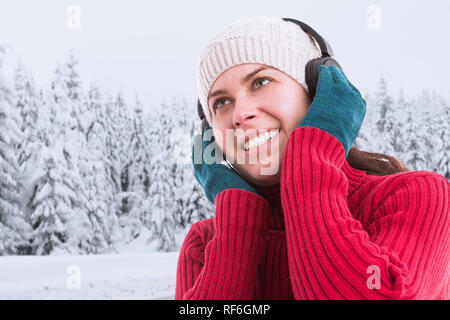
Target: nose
point(244, 112)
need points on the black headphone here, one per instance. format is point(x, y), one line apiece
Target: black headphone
point(311, 69)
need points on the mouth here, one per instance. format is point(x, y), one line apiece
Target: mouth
point(262, 137)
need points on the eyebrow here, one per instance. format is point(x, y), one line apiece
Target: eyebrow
point(243, 81)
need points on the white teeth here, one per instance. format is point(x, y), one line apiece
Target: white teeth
point(259, 140)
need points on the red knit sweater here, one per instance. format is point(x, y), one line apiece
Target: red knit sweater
point(328, 231)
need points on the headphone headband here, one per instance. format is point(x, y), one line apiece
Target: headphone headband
point(325, 47)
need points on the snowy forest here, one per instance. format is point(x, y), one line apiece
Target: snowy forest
point(83, 171)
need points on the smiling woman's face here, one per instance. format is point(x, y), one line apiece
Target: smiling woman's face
point(257, 99)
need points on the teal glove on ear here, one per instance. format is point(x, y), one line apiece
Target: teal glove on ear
point(214, 177)
point(338, 107)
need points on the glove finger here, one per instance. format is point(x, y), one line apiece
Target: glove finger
point(342, 79)
point(338, 75)
point(324, 77)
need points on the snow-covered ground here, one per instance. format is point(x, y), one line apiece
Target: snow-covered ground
point(134, 273)
point(114, 276)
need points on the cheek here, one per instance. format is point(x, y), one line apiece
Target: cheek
point(289, 106)
point(297, 113)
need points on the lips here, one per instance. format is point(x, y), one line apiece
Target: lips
point(257, 138)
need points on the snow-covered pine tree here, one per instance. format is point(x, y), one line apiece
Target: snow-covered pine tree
point(64, 121)
point(48, 222)
point(123, 125)
point(97, 206)
point(112, 162)
point(426, 109)
point(138, 175)
point(395, 121)
point(75, 95)
point(177, 154)
point(81, 233)
point(385, 123)
point(415, 130)
point(161, 220)
point(14, 229)
point(46, 115)
point(102, 182)
point(95, 107)
point(58, 225)
point(60, 197)
point(384, 101)
point(113, 141)
point(122, 133)
point(79, 226)
point(27, 106)
point(94, 176)
point(67, 101)
point(134, 209)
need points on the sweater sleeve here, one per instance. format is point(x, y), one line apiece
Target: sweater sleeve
point(403, 254)
point(225, 267)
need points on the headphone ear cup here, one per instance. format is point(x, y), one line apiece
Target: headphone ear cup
point(312, 73)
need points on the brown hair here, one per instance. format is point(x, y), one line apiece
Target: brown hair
point(377, 164)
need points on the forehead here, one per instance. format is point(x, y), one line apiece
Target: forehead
point(245, 68)
point(234, 74)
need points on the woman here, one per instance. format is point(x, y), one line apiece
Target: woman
point(318, 228)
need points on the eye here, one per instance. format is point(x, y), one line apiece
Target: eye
point(217, 102)
point(259, 80)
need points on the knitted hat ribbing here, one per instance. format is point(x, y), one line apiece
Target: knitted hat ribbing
point(264, 40)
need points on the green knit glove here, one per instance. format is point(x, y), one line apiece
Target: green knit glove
point(214, 177)
point(338, 107)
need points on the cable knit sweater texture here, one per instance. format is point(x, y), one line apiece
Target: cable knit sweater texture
point(324, 233)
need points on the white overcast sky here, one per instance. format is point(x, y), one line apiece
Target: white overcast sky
point(153, 47)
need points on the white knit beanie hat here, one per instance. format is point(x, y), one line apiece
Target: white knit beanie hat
point(264, 40)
